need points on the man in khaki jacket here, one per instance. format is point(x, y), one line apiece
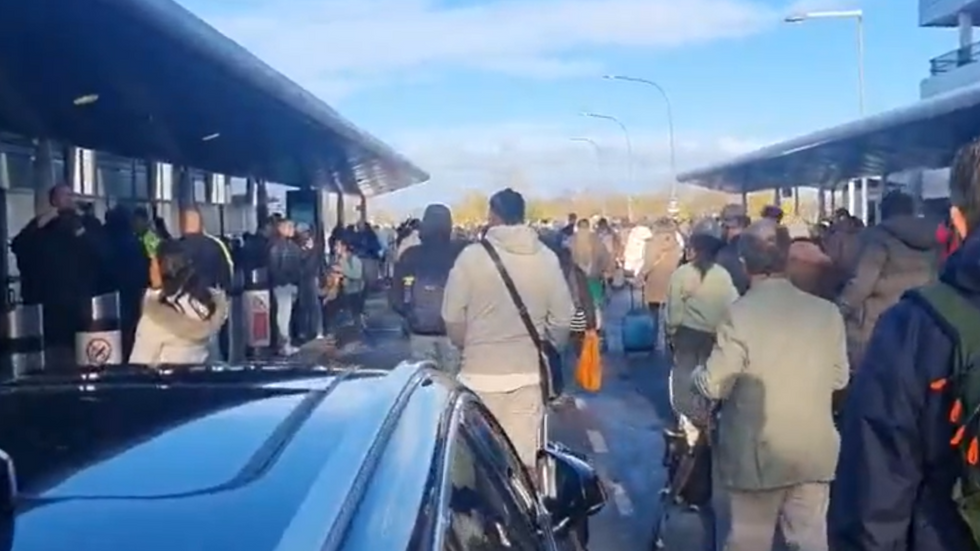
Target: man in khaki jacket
point(776, 363)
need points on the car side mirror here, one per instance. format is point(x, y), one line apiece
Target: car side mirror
point(572, 489)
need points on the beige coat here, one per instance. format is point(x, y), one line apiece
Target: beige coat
point(590, 254)
point(776, 363)
point(661, 256)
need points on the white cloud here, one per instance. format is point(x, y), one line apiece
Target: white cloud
point(322, 42)
point(543, 160)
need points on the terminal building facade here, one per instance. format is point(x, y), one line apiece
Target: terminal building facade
point(160, 110)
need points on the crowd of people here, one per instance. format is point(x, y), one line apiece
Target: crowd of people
point(828, 369)
point(173, 292)
point(831, 371)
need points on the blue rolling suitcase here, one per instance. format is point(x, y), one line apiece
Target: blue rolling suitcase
point(639, 328)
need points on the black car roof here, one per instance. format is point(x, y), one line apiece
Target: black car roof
point(212, 459)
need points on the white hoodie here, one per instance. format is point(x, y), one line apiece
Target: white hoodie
point(479, 311)
point(635, 247)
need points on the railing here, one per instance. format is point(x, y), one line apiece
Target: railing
point(950, 61)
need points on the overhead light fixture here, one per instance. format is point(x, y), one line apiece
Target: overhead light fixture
point(210, 137)
point(87, 99)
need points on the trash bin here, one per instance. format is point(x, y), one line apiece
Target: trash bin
point(22, 341)
point(100, 341)
point(257, 306)
point(234, 331)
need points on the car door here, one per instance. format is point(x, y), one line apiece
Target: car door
point(487, 506)
point(499, 450)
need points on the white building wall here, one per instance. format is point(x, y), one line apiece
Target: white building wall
point(942, 13)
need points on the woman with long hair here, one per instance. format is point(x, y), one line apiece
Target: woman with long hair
point(585, 318)
point(591, 257)
point(181, 317)
point(699, 294)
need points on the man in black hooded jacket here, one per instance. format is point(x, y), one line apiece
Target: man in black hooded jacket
point(419, 284)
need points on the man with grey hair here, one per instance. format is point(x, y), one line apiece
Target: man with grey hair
point(777, 360)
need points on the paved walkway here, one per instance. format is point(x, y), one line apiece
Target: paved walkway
point(619, 428)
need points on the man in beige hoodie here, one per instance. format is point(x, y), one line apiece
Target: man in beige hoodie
point(500, 361)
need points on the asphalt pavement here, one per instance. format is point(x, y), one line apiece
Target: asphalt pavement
point(618, 428)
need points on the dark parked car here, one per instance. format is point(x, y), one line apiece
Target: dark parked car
point(274, 458)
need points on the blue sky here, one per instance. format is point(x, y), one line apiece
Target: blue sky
point(483, 92)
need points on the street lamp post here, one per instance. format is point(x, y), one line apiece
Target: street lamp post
point(858, 16)
point(629, 152)
point(670, 129)
point(598, 163)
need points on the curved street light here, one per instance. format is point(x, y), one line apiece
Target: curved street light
point(670, 130)
point(857, 15)
point(626, 136)
point(598, 162)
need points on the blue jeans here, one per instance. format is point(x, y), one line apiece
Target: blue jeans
point(285, 297)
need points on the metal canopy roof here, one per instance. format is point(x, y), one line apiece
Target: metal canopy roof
point(165, 80)
point(922, 135)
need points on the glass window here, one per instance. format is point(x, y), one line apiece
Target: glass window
point(116, 181)
point(200, 188)
point(142, 180)
point(20, 170)
point(483, 515)
point(490, 438)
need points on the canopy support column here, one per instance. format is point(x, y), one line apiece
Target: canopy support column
point(261, 201)
point(185, 188)
point(851, 196)
point(340, 210)
point(864, 201)
point(42, 175)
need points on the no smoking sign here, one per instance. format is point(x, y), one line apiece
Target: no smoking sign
point(98, 351)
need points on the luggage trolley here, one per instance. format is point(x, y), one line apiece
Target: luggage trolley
point(687, 457)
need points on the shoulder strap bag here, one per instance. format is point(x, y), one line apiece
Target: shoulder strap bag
point(549, 359)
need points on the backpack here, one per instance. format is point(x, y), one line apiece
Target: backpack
point(961, 319)
point(428, 286)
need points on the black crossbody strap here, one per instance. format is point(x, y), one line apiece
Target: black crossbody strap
point(515, 296)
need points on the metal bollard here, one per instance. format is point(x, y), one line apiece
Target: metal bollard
point(235, 330)
point(257, 306)
point(100, 342)
point(22, 341)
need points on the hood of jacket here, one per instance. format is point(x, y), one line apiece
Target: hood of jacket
point(962, 268)
point(519, 239)
point(916, 233)
point(186, 326)
point(436, 225)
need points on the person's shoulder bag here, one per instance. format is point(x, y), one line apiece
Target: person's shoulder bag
point(549, 358)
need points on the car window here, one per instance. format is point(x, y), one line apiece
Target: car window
point(499, 451)
point(483, 516)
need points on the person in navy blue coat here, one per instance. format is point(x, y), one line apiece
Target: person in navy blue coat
point(896, 469)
